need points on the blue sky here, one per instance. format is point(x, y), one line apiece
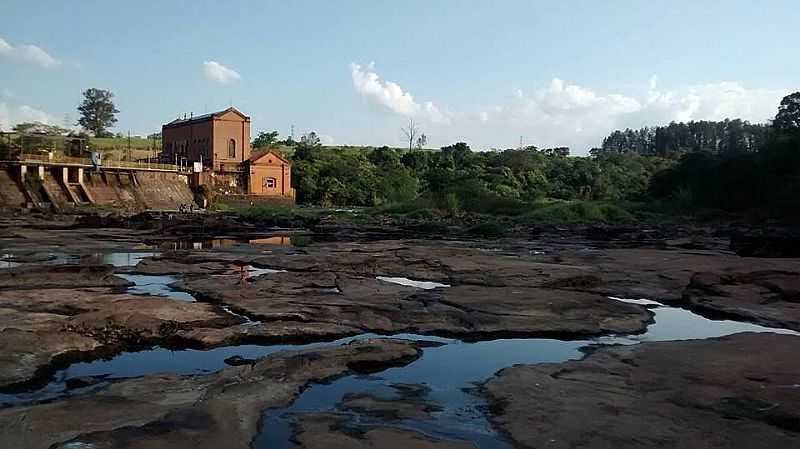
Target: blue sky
point(553, 73)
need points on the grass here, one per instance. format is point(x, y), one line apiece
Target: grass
point(579, 212)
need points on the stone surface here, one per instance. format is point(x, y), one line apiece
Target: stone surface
point(220, 410)
point(328, 431)
point(60, 276)
point(732, 392)
point(771, 298)
point(39, 328)
point(346, 303)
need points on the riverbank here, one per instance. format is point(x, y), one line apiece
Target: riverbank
point(95, 308)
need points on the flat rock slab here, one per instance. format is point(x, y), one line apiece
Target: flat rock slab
point(739, 391)
point(220, 410)
point(771, 298)
point(39, 328)
point(60, 276)
point(329, 431)
point(348, 303)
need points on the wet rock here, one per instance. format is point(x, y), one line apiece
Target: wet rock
point(238, 360)
point(61, 276)
point(766, 243)
point(331, 431)
point(209, 411)
point(43, 328)
point(771, 298)
point(83, 381)
point(731, 392)
point(340, 302)
point(409, 403)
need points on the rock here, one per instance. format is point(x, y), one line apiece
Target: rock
point(766, 243)
point(217, 410)
point(731, 392)
point(410, 403)
point(330, 431)
point(61, 276)
point(238, 360)
point(340, 302)
point(770, 298)
point(40, 329)
point(83, 381)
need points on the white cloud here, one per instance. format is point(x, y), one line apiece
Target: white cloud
point(215, 71)
point(565, 114)
point(711, 102)
point(390, 95)
point(11, 115)
point(28, 53)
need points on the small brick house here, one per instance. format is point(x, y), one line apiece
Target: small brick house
point(269, 174)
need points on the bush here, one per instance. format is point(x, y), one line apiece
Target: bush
point(488, 229)
point(579, 212)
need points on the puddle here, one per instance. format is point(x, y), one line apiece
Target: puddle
point(452, 372)
point(155, 286)
point(255, 271)
point(223, 242)
point(117, 259)
point(411, 283)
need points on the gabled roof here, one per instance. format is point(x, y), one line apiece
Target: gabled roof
point(204, 117)
point(258, 155)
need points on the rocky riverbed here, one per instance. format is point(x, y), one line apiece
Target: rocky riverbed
point(89, 315)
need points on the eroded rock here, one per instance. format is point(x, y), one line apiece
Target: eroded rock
point(211, 411)
point(732, 392)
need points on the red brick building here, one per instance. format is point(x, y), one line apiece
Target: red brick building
point(220, 145)
point(220, 140)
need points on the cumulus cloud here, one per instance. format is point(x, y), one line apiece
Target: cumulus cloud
point(215, 71)
point(28, 53)
point(390, 95)
point(561, 113)
point(11, 115)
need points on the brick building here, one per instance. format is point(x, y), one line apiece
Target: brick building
point(220, 140)
point(218, 144)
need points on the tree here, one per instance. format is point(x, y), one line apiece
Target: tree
point(265, 139)
point(788, 116)
point(411, 132)
point(422, 140)
point(40, 128)
point(310, 140)
point(97, 111)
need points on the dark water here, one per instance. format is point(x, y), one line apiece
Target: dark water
point(450, 371)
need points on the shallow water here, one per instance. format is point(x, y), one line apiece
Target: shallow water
point(450, 371)
point(411, 283)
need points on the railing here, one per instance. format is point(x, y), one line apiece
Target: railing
point(55, 158)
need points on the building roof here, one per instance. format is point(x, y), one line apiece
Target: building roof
point(258, 155)
point(205, 117)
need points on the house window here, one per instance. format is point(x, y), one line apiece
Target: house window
point(270, 183)
point(232, 149)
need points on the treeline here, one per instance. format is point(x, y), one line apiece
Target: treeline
point(731, 165)
point(458, 178)
point(675, 139)
point(765, 179)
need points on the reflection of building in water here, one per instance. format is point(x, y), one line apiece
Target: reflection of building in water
point(275, 240)
point(224, 243)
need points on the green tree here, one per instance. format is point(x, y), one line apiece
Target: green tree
point(40, 128)
point(98, 112)
point(265, 139)
point(788, 116)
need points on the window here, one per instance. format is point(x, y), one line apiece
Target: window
point(232, 149)
point(270, 183)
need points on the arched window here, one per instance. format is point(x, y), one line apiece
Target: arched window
point(232, 149)
point(270, 183)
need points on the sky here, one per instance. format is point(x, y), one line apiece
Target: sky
point(492, 74)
